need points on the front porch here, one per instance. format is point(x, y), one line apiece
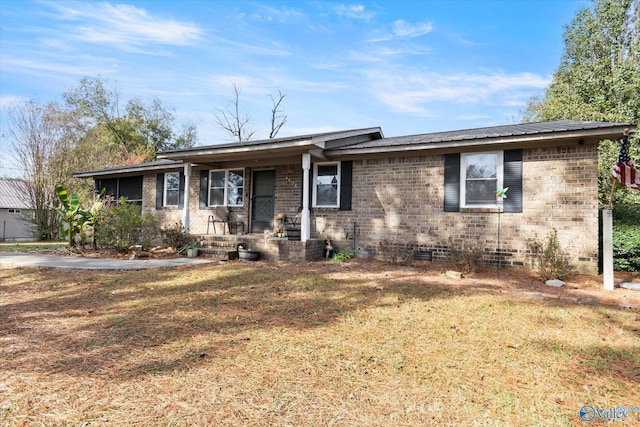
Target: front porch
point(224, 247)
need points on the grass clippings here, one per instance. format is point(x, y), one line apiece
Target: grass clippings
point(261, 344)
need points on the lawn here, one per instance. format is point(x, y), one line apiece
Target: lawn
point(315, 344)
point(33, 246)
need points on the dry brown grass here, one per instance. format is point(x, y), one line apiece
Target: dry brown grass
point(319, 344)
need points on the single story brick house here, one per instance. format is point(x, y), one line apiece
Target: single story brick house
point(373, 194)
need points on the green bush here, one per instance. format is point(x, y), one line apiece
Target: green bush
point(626, 238)
point(122, 226)
point(175, 236)
point(342, 256)
point(148, 231)
point(552, 261)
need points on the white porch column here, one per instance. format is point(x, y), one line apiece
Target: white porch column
point(305, 222)
point(185, 209)
point(607, 249)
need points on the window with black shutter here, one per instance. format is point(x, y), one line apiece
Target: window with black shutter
point(472, 179)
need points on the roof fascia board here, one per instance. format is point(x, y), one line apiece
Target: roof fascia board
point(227, 150)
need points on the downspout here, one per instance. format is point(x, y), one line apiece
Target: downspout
point(185, 212)
point(305, 222)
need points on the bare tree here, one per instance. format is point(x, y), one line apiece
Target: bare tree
point(232, 120)
point(278, 119)
point(42, 139)
point(235, 122)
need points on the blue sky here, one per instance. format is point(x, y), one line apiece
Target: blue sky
point(406, 66)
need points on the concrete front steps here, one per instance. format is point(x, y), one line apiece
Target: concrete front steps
point(224, 247)
point(218, 247)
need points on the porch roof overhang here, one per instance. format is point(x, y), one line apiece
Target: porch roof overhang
point(130, 170)
point(277, 150)
point(491, 138)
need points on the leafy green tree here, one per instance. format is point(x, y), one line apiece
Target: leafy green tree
point(598, 80)
point(139, 130)
point(599, 75)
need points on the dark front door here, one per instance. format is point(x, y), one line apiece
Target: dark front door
point(264, 183)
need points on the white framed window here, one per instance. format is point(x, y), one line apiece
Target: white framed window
point(226, 187)
point(481, 175)
point(326, 185)
point(171, 189)
point(14, 211)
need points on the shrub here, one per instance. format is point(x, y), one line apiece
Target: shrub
point(626, 238)
point(396, 253)
point(552, 261)
point(466, 255)
point(175, 236)
point(122, 226)
point(149, 231)
point(342, 256)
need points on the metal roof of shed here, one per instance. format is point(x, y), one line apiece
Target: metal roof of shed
point(12, 194)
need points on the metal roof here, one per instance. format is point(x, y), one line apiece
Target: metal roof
point(131, 169)
point(12, 194)
point(370, 141)
point(315, 138)
point(478, 136)
point(276, 150)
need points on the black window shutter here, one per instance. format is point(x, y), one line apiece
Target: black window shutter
point(346, 181)
point(181, 191)
point(159, 190)
point(452, 182)
point(204, 188)
point(513, 179)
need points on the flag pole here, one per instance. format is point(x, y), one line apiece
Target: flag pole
point(613, 191)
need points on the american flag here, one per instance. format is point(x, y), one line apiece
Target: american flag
point(624, 170)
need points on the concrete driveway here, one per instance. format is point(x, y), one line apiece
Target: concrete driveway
point(24, 259)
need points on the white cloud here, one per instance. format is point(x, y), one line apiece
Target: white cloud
point(356, 11)
point(400, 29)
point(385, 53)
point(124, 25)
point(71, 66)
point(258, 49)
point(403, 29)
point(282, 15)
point(7, 102)
point(415, 92)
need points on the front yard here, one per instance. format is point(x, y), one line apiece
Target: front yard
point(322, 343)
